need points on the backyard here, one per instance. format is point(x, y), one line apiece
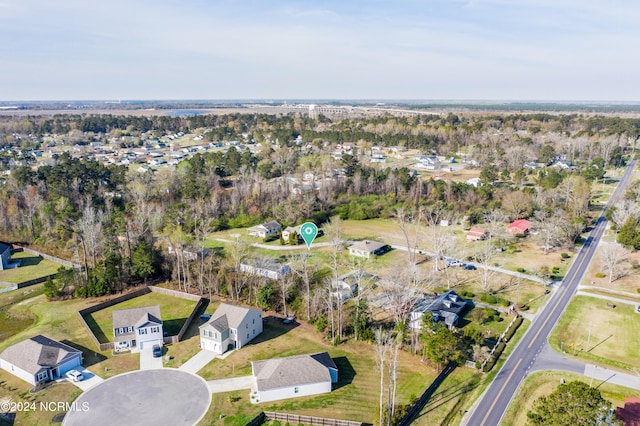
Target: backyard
point(31, 267)
point(174, 312)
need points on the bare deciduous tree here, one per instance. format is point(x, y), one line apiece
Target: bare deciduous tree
point(612, 257)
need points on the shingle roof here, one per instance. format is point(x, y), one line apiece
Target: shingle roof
point(367, 245)
point(4, 247)
point(292, 371)
point(137, 317)
point(39, 351)
point(233, 315)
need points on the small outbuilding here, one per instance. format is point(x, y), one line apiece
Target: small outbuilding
point(477, 234)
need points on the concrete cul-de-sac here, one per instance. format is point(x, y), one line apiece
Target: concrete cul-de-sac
point(147, 397)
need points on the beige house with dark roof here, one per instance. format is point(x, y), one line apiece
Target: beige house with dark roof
point(137, 328)
point(294, 376)
point(39, 359)
point(368, 248)
point(265, 230)
point(230, 327)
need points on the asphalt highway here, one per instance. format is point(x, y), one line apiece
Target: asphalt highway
point(494, 402)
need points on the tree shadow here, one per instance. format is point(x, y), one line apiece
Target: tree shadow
point(346, 373)
point(89, 356)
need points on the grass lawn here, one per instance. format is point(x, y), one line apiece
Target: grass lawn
point(32, 266)
point(17, 391)
point(545, 382)
point(59, 321)
point(357, 392)
point(614, 340)
point(629, 283)
point(174, 311)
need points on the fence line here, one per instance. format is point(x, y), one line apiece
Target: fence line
point(64, 262)
point(306, 420)
point(420, 403)
point(134, 294)
point(504, 333)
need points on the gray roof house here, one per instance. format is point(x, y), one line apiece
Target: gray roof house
point(137, 328)
point(294, 376)
point(39, 359)
point(367, 248)
point(230, 327)
point(447, 307)
point(265, 229)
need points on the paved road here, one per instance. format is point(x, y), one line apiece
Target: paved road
point(495, 400)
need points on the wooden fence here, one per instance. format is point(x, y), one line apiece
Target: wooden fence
point(307, 420)
point(137, 293)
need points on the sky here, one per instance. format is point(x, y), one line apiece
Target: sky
point(522, 50)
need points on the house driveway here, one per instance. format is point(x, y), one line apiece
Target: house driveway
point(228, 385)
point(147, 361)
point(152, 397)
point(198, 361)
point(89, 379)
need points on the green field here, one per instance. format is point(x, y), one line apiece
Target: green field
point(614, 339)
point(32, 267)
point(174, 311)
point(543, 383)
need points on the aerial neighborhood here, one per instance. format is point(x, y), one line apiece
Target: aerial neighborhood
point(318, 263)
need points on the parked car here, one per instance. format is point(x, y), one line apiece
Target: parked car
point(157, 351)
point(205, 317)
point(470, 267)
point(289, 319)
point(74, 375)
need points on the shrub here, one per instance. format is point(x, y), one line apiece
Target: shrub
point(513, 329)
point(488, 298)
point(466, 293)
point(521, 270)
point(600, 275)
point(565, 255)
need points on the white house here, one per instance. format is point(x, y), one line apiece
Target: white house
point(230, 327)
point(294, 376)
point(429, 162)
point(272, 270)
point(265, 230)
point(367, 248)
point(39, 359)
point(289, 230)
point(137, 328)
point(474, 182)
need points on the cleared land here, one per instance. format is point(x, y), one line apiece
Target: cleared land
point(543, 383)
point(174, 311)
point(32, 267)
point(599, 334)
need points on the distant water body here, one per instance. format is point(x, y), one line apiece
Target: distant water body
point(186, 112)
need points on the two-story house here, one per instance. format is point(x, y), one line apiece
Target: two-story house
point(230, 327)
point(137, 328)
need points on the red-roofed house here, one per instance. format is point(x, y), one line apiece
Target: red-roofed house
point(630, 414)
point(477, 234)
point(520, 226)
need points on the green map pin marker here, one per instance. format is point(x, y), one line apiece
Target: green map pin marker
point(308, 232)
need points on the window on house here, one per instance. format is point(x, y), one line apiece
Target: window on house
point(254, 332)
point(142, 331)
point(254, 321)
point(247, 336)
point(43, 375)
point(215, 335)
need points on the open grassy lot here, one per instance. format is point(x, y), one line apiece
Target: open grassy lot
point(543, 383)
point(32, 267)
point(174, 311)
point(357, 392)
point(17, 391)
point(614, 339)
